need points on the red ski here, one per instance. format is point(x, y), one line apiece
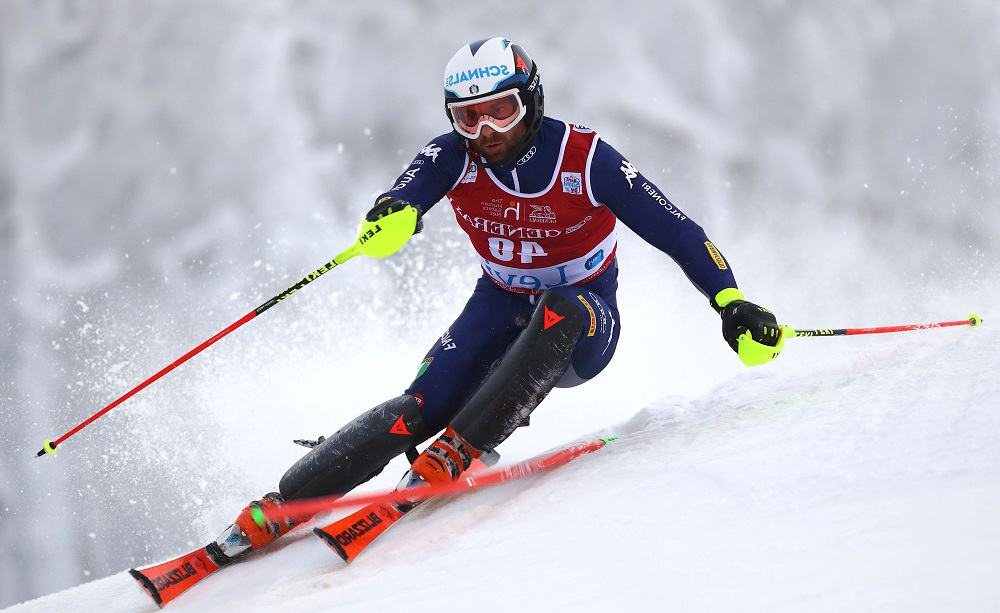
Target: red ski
point(166, 581)
point(350, 535)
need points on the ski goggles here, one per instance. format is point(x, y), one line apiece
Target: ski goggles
point(501, 111)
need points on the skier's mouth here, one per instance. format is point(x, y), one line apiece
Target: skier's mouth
point(493, 148)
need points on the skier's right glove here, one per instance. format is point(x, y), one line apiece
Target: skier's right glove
point(387, 227)
point(387, 205)
point(751, 330)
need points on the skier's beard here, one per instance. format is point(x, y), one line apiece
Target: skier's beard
point(498, 146)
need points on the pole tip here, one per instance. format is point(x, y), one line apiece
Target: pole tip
point(975, 320)
point(49, 447)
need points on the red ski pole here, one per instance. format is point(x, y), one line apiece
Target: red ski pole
point(972, 321)
point(303, 509)
point(50, 446)
point(376, 239)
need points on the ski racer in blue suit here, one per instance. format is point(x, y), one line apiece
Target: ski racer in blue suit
point(541, 201)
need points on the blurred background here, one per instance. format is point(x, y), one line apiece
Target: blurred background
point(167, 166)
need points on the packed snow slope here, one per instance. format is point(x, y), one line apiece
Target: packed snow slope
point(167, 166)
point(856, 474)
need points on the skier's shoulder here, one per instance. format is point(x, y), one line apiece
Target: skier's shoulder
point(446, 152)
point(608, 169)
point(431, 172)
point(604, 161)
point(557, 128)
point(450, 141)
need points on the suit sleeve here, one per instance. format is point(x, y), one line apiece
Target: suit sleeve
point(431, 174)
point(641, 206)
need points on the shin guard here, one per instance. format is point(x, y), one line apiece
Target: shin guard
point(358, 451)
point(526, 374)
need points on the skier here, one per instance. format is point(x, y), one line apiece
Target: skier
point(540, 200)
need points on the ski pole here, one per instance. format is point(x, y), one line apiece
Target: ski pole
point(972, 321)
point(376, 239)
point(305, 508)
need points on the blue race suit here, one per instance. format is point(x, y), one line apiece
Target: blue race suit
point(495, 314)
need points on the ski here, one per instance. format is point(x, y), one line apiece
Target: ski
point(351, 535)
point(348, 536)
point(166, 581)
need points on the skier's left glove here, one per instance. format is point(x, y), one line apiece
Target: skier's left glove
point(751, 330)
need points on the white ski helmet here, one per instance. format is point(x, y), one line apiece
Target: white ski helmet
point(496, 83)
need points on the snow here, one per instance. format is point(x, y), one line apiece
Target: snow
point(217, 145)
point(864, 479)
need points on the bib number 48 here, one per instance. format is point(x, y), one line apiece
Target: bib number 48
point(503, 250)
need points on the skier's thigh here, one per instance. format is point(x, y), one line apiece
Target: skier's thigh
point(461, 358)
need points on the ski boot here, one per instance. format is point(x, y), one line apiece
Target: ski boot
point(251, 530)
point(445, 459)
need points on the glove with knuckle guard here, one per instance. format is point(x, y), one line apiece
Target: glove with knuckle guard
point(386, 205)
point(751, 330)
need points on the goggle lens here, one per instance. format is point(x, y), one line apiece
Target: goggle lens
point(500, 112)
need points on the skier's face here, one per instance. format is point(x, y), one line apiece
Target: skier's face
point(496, 146)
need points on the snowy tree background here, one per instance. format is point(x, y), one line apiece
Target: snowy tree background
point(167, 166)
